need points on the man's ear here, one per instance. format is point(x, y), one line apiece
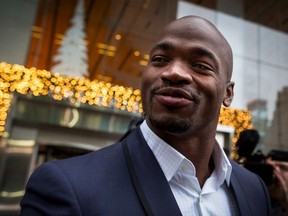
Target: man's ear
point(229, 94)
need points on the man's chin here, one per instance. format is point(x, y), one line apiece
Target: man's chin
point(175, 126)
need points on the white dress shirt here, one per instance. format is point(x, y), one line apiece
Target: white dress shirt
point(213, 199)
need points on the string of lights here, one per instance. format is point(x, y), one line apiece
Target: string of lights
point(17, 78)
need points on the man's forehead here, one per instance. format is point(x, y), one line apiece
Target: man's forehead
point(191, 21)
point(196, 28)
point(192, 27)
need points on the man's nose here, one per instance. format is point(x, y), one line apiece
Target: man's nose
point(177, 72)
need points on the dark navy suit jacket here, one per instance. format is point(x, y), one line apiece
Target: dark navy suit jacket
point(99, 183)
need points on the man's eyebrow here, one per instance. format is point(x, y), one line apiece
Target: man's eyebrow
point(161, 46)
point(199, 51)
point(196, 50)
point(203, 52)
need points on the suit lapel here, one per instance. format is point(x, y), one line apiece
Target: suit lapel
point(150, 177)
point(241, 197)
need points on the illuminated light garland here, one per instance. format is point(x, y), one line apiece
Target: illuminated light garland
point(17, 78)
point(238, 119)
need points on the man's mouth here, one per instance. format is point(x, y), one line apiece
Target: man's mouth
point(174, 97)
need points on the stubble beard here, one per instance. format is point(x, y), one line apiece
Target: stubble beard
point(170, 125)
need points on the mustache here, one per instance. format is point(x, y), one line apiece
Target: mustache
point(193, 93)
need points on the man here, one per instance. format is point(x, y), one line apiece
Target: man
point(171, 164)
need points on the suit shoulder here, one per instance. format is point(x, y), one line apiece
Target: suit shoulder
point(97, 159)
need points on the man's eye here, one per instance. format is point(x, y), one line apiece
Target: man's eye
point(201, 66)
point(159, 59)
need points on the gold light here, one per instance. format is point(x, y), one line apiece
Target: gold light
point(145, 60)
point(105, 49)
point(118, 37)
point(136, 53)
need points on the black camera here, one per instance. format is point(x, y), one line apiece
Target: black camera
point(256, 162)
point(263, 170)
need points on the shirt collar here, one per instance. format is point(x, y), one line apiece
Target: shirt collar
point(170, 159)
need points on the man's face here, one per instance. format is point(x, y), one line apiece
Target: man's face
point(187, 78)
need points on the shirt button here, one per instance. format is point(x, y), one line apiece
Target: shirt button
point(185, 167)
point(201, 198)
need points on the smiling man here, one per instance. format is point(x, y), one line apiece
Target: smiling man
point(186, 82)
point(171, 164)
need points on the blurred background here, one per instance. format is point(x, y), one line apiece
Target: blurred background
point(70, 75)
